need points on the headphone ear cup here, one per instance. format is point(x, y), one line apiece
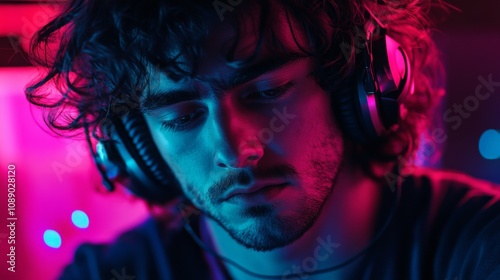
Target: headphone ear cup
point(150, 176)
point(369, 102)
point(344, 105)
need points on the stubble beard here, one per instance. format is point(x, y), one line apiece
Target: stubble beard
point(267, 231)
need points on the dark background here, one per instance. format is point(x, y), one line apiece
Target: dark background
point(470, 42)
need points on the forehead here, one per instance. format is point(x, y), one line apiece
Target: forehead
point(248, 37)
point(272, 26)
point(251, 35)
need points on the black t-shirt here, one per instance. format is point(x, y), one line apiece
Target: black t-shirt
point(446, 226)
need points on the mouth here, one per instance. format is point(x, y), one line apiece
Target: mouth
point(260, 191)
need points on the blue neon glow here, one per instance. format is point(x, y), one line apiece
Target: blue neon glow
point(80, 219)
point(52, 238)
point(489, 144)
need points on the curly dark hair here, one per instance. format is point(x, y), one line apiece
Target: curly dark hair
point(104, 49)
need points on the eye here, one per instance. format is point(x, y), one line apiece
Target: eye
point(183, 122)
point(270, 94)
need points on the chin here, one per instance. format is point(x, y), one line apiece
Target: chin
point(263, 230)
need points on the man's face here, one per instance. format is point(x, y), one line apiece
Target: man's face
point(255, 147)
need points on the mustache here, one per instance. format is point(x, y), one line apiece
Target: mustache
point(246, 177)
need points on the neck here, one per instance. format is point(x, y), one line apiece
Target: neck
point(345, 226)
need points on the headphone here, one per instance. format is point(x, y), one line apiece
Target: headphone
point(367, 109)
point(372, 106)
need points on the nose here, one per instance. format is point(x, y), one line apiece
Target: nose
point(246, 154)
point(236, 144)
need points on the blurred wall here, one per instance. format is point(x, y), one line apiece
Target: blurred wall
point(54, 176)
point(470, 43)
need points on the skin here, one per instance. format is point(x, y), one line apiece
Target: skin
point(224, 143)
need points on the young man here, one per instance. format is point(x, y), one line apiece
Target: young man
point(258, 112)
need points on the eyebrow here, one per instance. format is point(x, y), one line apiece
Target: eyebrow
point(254, 71)
point(153, 101)
point(163, 99)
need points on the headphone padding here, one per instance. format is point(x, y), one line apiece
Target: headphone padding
point(166, 186)
point(344, 108)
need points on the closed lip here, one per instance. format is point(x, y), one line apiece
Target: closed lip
point(257, 186)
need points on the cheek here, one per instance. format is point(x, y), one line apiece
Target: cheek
point(186, 160)
point(314, 119)
point(179, 153)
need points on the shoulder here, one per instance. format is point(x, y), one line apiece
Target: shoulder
point(451, 198)
point(450, 178)
point(461, 215)
point(454, 187)
point(132, 254)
